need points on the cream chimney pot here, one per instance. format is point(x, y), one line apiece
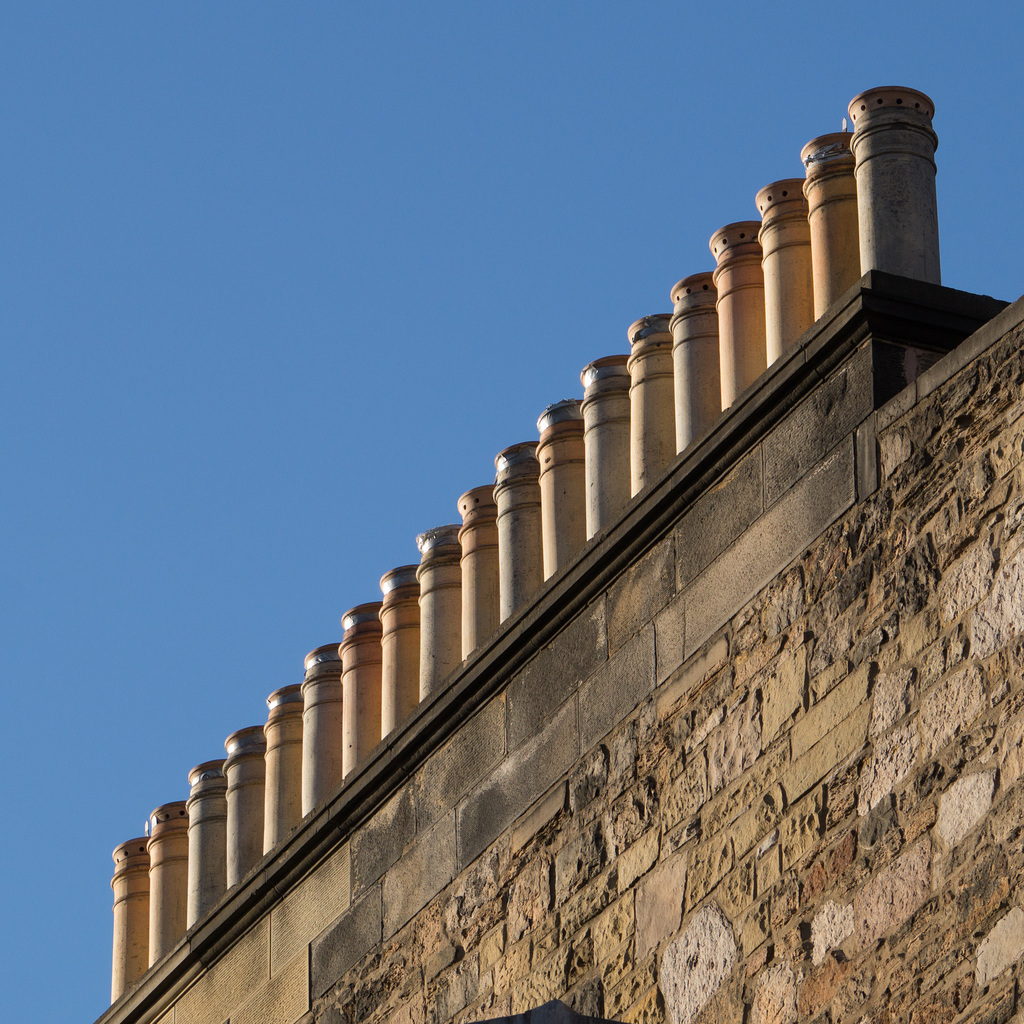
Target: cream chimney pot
point(168, 878)
point(440, 576)
point(894, 149)
point(207, 838)
point(741, 323)
point(322, 715)
point(246, 771)
point(605, 409)
point(283, 730)
point(563, 506)
point(652, 438)
point(131, 915)
point(400, 646)
point(360, 651)
point(479, 540)
point(785, 239)
point(831, 193)
point(695, 358)
point(520, 544)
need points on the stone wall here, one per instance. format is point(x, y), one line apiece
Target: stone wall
point(771, 772)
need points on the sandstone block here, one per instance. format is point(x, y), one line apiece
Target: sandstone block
point(536, 694)
point(963, 805)
point(1011, 757)
point(459, 764)
point(642, 590)
point(949, 708)
point(309, 908)
point(885, 901)
point(966, 582)
point(735, 744)
point(775, 1002)
point(524, 775)
point(891, 698)
point(783, 693)
point(780, 534)
point(616, 688)
point(694, 966)
point(684, 795)
point(638, 859)
point(832, 925)
point(379, 842)
point(659, 904)
point(1000, 617)
point(282, 1000)
point(422, 872)
point(890, 764)
point(348, 940)
point(1003, 946)
point(827, 754)
point(801, 828)
point(830, 712)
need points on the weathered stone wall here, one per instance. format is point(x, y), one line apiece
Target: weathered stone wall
point(818, 814)
point(773, 772)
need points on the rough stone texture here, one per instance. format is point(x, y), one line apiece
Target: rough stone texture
point(950, 708)
point(965, 583)
point(659, 904)
point(735, 744)
point(963, 805)
point(832, 925)
point(893, 895)
point(892, 698)
point(1004, 945)
point(890, 764)
point(775, 1002)
point(695, 965)
point(1000, 617)
point(783, 693)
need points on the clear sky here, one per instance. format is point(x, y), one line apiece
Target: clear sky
point(277, 282)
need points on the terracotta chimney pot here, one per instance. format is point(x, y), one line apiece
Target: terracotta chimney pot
point(360, 651)
point(894, 148)
point(283, 730)
point(785, 239)
point(560, 452)
point(606, 383)
point(168, 878)
point(207, 838)
point(741, 312)
point(520, 543)
point(695, 358)
point(400, 646)
point(131, 915)
point(479, 540)
point(246, 770)
point(322, 716)
point(440, 576)
point(831, 193)
point(652, 437)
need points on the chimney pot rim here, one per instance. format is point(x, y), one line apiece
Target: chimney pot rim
point(291, 694)
point(564, 411)
point(439, 537)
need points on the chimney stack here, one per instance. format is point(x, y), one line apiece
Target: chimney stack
point(695, 357)
point(831, 192)
point(246, 771)
point(168, 878)
point(605, 409)
point(322, 715)
point(207, 808)
point(785, 238)
point(560, 452)
point(131, 915)
point(399, 646)
point(652, 434)
point(283, 730)
point(741, 312)
point(440, 576)
point(479, 540)
point(894, 149)
point(520, 544)
point(360, 652)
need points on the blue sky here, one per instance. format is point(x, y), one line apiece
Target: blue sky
point(277, 282)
